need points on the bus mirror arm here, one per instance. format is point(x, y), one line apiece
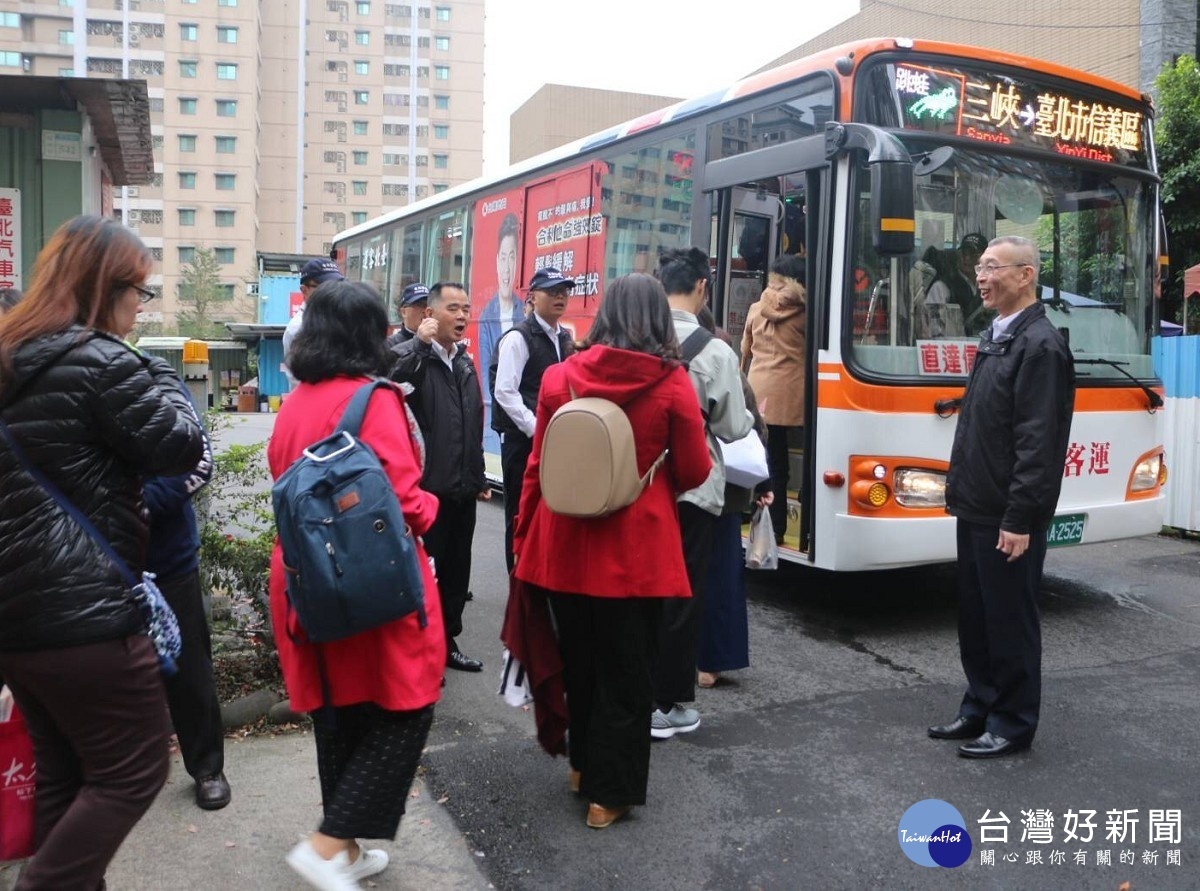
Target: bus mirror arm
point(893, 220)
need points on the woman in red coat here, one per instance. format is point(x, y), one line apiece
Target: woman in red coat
point(374, 705)
point(606, 577)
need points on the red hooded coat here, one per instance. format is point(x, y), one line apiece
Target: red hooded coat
point(636, 551)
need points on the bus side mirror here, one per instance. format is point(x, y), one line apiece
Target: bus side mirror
point(893, 220)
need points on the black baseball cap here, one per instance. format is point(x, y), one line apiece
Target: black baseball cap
point(317, 272)
point(414, 293)
point(548, 278)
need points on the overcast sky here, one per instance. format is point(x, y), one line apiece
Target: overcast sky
point(678, 48)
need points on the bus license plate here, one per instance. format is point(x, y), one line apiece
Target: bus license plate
point(1065, 530)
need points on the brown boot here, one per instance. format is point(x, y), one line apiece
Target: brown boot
point(600, 817)
point(573, 778)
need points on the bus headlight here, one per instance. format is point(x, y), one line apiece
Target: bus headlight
point(1146, 474)
point(919, 488)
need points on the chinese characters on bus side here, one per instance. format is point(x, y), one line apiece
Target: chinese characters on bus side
point(9, 243)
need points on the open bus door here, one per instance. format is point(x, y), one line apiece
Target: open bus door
point(766, 203)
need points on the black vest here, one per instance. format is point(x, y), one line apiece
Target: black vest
point(541, 356)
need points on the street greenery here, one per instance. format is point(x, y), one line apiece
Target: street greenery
point(1176, 138)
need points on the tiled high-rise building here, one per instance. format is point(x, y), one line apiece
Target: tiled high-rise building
point(276, 123)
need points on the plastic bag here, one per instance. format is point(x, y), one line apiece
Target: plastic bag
point(745, 461)
point(761, 550)
point(17, 783)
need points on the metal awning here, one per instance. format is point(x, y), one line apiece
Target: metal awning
point(119, 111)
point(251, 333)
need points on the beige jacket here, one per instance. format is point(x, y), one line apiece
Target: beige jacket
point(773, 344)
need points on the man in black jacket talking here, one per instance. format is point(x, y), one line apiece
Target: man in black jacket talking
point(448, 404)
point(1006, 470)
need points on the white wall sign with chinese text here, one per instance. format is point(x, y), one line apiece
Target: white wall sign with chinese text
point(10, 238)
point(60, 145)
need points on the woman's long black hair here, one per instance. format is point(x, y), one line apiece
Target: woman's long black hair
point(635, 315)
point(344, 333)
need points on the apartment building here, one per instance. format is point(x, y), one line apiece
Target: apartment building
point(276, 123)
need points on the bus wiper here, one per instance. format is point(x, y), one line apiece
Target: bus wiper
point(1156, 401)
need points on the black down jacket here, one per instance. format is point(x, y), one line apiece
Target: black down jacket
point(93, 416)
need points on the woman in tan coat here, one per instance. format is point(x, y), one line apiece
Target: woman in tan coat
point(773, 351)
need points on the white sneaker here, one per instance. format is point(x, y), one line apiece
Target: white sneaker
point(322, 874)
point(677, 720)
point(369, 863)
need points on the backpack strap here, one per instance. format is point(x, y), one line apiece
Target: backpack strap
point(694, 343)
point(352, 417)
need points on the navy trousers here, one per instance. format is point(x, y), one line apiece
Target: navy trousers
point(999, 631)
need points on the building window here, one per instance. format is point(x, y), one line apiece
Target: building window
point(224, 255)
point(187, 255)
point(441, 162)
point(361, 67)
point(441, 72)
point(362, 38)
point(70, 72)
point(423, 72)
point(187, 143)
point(442, 103)
point(358, 216)
point(187, 106)
point(441, 131)
point(223, 218)
point(442, 44)
point(226, 145)
point(187, 32)
point(360, 159)
point(362, 97)
point(226, 108)
point(362, 7)
point(423, 43)
point(440, 187)
point(443, 13)
point(226, 71)
point(10, 60)
point(187, 180)
point(225, 182)
point(226, 34)
point(360, 186)
point(226, 2)
point(360, 128)
point(187, 69)
point(10, 20)
point(66, 38)
point(187, 216)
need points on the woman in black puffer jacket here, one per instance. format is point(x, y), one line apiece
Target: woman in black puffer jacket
point(93, 416)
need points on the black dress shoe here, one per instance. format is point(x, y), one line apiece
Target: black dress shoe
point(960, 728)
point(991, 746)
point(212, 793)
point(460, 661)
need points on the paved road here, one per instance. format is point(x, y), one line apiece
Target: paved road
point(804, 764)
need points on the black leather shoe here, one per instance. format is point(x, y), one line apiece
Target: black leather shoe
point(960, 728)
point(989, 745)
point(212, 793)
point(460, 661)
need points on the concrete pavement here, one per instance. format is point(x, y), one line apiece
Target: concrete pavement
point(276, 802)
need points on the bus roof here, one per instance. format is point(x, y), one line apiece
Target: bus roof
point(747, 86)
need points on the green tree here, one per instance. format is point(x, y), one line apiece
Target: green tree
point(202, 295)
point(1177, 139)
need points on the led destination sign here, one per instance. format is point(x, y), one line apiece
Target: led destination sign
point(1012, 111)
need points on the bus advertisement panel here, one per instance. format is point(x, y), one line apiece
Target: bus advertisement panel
point(496, 273)
point(566, 230)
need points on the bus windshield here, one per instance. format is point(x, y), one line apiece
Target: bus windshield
point(919, 316)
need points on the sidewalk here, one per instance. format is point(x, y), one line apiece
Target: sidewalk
point(276, 801)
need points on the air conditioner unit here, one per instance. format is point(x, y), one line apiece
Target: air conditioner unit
point(131, 191)
point(134, 216)
point(135, 37)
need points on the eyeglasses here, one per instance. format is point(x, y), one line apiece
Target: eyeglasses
point(989, 271)
point(145, 295)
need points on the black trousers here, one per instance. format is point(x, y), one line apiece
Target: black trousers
point(514, 455)
point(607, 646)
point(97, 715)
point(192, 692)
point(367, 757)
point(448, 542)
point(999, 631)
point(679, 632)
point(779, 464)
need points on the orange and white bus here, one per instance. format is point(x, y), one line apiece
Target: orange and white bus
point(879, 160)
